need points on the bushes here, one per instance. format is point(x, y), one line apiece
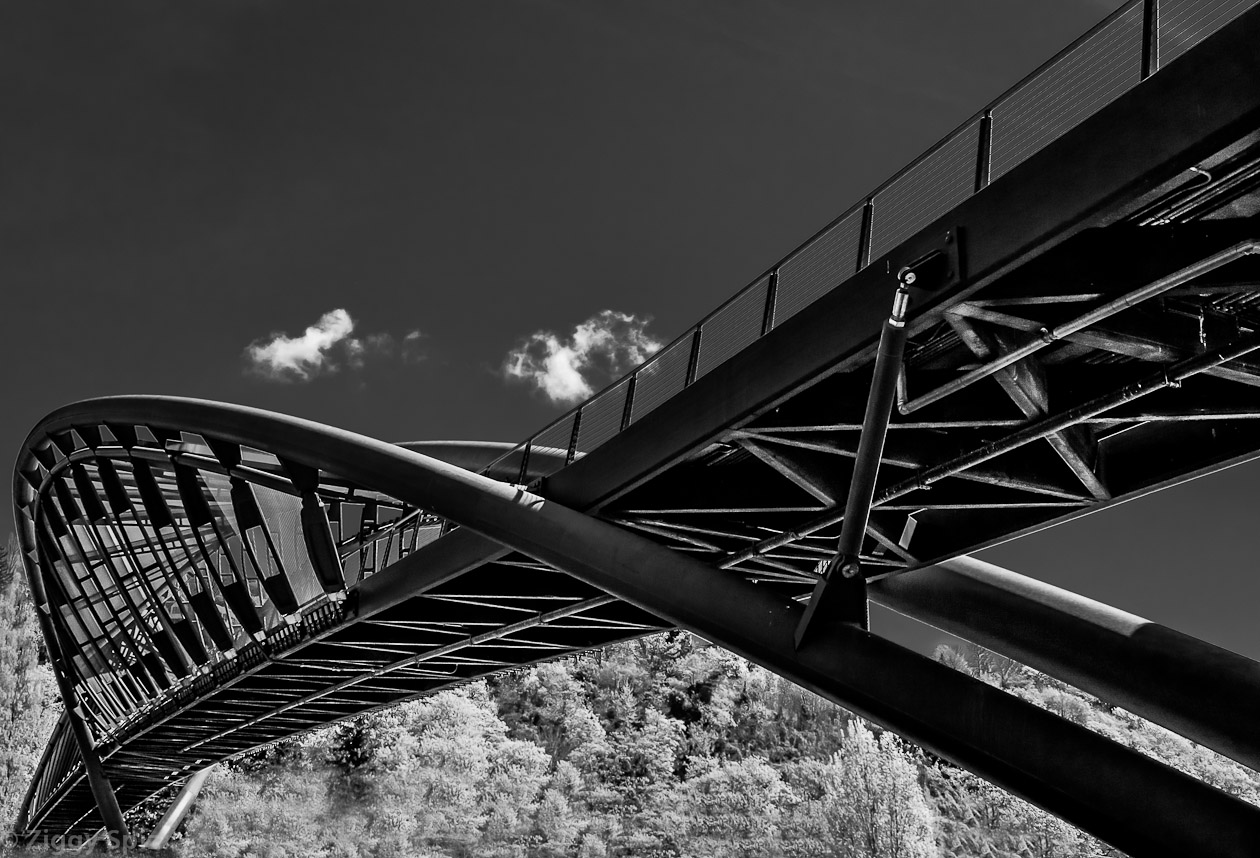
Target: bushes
point(28, 704)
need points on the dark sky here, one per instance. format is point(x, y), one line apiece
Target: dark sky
point(178, 181)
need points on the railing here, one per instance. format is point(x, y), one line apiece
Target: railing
point(1131, 44)
point(60, 760)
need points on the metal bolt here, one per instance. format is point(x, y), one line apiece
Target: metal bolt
point(908, 277)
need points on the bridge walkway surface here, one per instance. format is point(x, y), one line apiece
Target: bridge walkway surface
point(1084, 328)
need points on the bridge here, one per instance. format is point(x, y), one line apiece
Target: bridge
point(1055, 309)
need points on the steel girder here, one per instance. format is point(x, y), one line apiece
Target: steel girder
point(1203, 692)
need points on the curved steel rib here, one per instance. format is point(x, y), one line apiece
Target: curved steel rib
point(218, 587)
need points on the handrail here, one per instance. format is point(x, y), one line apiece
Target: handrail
point(1146, 40)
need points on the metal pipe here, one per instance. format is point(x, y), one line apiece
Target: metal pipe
point(842, 597)
point(1203, 692)
point(1120, 796)
point(1050, 336)
point(177, 811)
point(870, 451)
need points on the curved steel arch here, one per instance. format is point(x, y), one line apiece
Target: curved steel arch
point(174, 563)
point(239, 453)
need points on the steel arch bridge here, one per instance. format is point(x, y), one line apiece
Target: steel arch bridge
point(1084, 328)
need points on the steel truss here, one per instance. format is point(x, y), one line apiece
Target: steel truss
point(1123, 797)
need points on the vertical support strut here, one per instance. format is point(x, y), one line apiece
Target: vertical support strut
point(840, 595)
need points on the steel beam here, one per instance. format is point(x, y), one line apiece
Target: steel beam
point(1141, 806)
point(1207, 694)
point(1025, 383)
point(1086, 320)
point(1117, 337)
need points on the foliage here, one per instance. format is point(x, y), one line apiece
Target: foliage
point(661, 747)
point(874, 805)
point(28, 703)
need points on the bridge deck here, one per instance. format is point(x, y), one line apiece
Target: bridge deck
point(215, 594)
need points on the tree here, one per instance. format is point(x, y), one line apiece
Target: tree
point(733, 809)
point(875, 807)
point(241, 816)
point(353, 750)
point(28, 705)
point(557, 825)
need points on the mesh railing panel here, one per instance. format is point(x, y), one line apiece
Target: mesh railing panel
point(556, 436)
point(1103, 65)
point(507, 466)
point(601, 417)
point(283, 513)
point(928, 190)
point(818, 267)
point(661, 377)
point(733, 327)
point(1185, 23)
point(1091, 76)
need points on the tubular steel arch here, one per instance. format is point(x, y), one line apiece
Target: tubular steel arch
point(119, 539)
point(205, 588)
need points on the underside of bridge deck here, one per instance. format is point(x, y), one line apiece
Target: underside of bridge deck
point(213, 578)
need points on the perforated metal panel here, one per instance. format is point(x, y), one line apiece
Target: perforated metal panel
point(601, 417)
point(284, 513)
point(1090, 77)
point(818, 267)
point(557, 437)
point(1185, 23)
point(733, 327)
point(661, 377)
point(929, 189)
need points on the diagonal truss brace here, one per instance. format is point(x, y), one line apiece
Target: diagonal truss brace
point(1024, 382)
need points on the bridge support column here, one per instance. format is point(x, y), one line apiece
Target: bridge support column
point(179, 808)
point(1207, 694)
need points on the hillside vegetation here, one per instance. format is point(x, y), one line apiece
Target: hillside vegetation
point(663, 746)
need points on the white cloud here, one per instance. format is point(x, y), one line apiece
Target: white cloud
point(284, 358)
point(359, 349)
point(599, 349)
point(325, 347)
point(412, 351)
